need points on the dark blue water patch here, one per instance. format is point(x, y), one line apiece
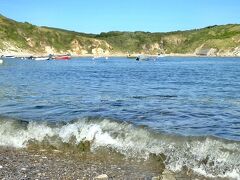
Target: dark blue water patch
point(188, 96)
point(155, 97)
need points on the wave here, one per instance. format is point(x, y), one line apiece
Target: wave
point(208, 156)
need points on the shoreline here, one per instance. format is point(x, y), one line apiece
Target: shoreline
point(28, 54)
point(55, 164)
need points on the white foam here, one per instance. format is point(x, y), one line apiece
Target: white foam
point(234, 174)
point(222, 158)
point(12, 136)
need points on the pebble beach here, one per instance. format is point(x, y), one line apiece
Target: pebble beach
point(44, 164)
point(31, 164)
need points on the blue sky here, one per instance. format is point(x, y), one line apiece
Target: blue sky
point(95, 16)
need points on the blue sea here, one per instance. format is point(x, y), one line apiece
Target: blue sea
point(185, 108)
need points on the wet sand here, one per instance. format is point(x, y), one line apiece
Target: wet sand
point(54, 164)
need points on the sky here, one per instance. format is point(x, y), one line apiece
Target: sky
point(95, 16)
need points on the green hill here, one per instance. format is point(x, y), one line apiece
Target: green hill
point(25, 37)
point(218, 39)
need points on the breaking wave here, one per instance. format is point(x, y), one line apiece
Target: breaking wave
point(208, 156)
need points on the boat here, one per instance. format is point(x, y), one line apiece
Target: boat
point(9, 57)
point(41, 58)
point(62, 57)
point(96, 57)
point(161, 56)
point(143, 58)
point(1, 61)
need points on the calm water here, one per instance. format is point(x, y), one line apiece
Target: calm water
point(187, 96)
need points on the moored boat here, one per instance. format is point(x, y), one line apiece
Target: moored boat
point(143, 58)
point(62, 57)
point(41, 58)
point(9, 57)
point(161, 56)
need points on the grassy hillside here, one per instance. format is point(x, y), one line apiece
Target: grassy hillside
point(213, 40)
point(221, 38)
point(25, 36)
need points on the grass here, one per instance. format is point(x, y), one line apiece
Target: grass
point(28, 36)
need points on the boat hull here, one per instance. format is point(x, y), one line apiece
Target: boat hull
point(62, 57)
point(41, 59)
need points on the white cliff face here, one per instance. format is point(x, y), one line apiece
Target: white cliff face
point(97, 51)
point(9, 48)
point(215, 52)
point(98, 48)
point(50, 50)
point(236, 51)
point(154, 48)
point(100, 52)
point(77, 48)
point(212, 52)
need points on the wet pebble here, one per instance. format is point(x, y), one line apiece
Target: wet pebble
point(101, 177)
point(157, 178)
point(23, 169)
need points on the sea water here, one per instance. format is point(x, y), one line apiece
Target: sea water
point(185, 108)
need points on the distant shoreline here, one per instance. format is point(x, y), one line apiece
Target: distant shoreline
point(26, 40)
point(28, 54)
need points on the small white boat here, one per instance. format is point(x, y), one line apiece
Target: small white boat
point(161, 56)
point(1, 61)
point(143, 58)
point(96, 57)
point(9, 57)
point(41, 58)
